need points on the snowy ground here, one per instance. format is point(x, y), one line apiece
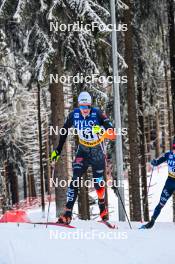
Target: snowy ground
point(91, 242)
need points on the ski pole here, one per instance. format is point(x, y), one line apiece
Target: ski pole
point(116, 188)
point(118, 193)
point(148, 188)
point(48, 212)
point(150, 180)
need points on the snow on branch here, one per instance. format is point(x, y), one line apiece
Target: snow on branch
point(20, 10)
point(55, 4)
point(83, 9)
point(124, 65)
point(43, 38)
point(3, 7)
point(104, 11)
point(122, 5)
point(26, 41)
point(79, 47)
point(84, 46)
point(42, 61)
point(90, 13)
point(43, 5)
point(104, 95)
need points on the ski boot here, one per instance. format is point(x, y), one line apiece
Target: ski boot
point(150, 224)
point(66, 217)
point(103, 210)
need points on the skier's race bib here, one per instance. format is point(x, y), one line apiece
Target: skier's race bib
point(84, 129)
point(88, 138)
point(91, 143)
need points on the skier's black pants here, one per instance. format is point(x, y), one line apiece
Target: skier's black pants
point(167, 191)
point(86, 156)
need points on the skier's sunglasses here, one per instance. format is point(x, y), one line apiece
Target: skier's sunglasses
point(84, 107)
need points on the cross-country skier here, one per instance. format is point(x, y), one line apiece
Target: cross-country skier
point(88, 121)
point(169, 187)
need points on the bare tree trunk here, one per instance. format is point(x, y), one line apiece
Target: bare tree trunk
point(130, 195)
point(83, 200)
point(31, 184)
point(164, 121)
point(171, 9)
point(13, 183)
point(57, 116)
point(148, 138)
point(5, 193)
point(47, 167)
point(33, 188)
point(134, 180)
point(143, 155)
point(24, 185)
point(168, 102)
point(164, 135)
point(157, 135)
point(168, 108)
point(40, 149)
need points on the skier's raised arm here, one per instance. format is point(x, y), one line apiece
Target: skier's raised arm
point(157, 162)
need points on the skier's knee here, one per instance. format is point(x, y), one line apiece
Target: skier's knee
point(162, 205)
point(71, 193)
point(163, 201)
point(77, 171)
point(98, 178)
point(74, 184)
point(99, 182)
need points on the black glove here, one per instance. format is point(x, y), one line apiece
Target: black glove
point(154, 162)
